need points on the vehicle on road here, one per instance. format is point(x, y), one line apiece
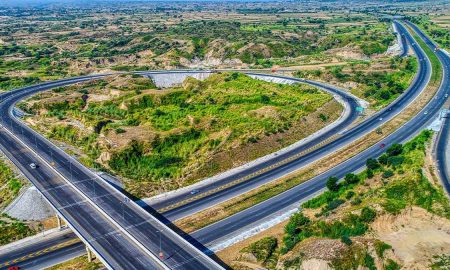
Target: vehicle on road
point(33, 165)
point(194, 191)
point(14, 268)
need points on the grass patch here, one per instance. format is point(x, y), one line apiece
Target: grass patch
point(12, 230)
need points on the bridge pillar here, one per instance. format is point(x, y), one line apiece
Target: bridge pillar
point(59, 221)
point(89, 254)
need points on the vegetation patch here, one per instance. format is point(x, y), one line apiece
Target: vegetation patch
point(379, 82)
point(10, 185)
point(12, 230)
point(169, 138)
point(349, 222)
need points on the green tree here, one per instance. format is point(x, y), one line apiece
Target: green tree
point(351, 178)
point(332, 184)
point(372, 164)
point(395, 150)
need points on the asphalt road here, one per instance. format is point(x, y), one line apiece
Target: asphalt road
point(442, 145)
point(224, 229)
point(185, 204)
point(122, 232)
point(126, 214)
point(104, 237)
point(233, 185)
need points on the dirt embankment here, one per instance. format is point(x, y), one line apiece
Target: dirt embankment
point(415, 236)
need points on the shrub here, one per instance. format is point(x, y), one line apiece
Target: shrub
point(372, 164)
point(334, 204)
point(368, 215)
point(349, 195)
point(346, 240)
point(120, 130)
point(391, 265)
point(369, 174)
point(369, 262)
point(395, 161)
point(356, 201)
point(351, 178)
point(388, 173)
point(262, 249)
point(393, 206)
point(332, 184)
point(395, 150)
point(383, 159)
point(381, 247)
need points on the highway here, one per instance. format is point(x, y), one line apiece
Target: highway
point(184, 203)
point(224, 228)
point(123, 212)
point(442, 160)
point(121, 233)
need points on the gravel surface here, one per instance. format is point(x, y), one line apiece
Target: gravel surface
point(30, 205)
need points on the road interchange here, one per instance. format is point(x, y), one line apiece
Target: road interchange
point(227, 226)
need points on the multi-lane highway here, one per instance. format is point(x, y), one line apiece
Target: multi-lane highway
point(218, 231)
point(227, 228)
point(73, 188)
point(184, 203)
point(121, 233)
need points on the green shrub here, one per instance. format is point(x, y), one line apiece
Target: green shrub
point(349, 195)
point(262, 249)
point(351, 178)
point(395, 150)
point(388, 173)
point(368, 215)
point(391, 265)
point(334, 204)
point(381, 247)
point(346, 240)
point(369, 262)
point(372, 164)
point(120, 130)
point(332, 184)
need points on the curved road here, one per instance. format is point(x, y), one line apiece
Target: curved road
point(185, 204)
point(77, 211)
point(228, 226)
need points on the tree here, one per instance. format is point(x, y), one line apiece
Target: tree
point(332, 184)
point(383, 159)
point(351, 178)
point(372, 164)
point(395, 150)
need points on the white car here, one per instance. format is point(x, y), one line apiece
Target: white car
point(194, 191)
point(33, 166)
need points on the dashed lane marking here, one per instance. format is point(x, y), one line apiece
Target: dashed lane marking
point(40, 252)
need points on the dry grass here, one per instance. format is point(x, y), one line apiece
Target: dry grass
point(79, 263)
